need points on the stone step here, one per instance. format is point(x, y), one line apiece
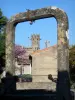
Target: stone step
point(36, 85)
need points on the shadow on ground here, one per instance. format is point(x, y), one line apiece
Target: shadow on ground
point(8, 89)
point(31, 94)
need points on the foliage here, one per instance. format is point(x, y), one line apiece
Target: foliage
point(2, 44)
point(72, 58)
point(26, 76)
point(72, 63)
point(3, 21)
point(19, 50)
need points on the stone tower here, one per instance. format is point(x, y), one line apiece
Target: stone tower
point(35, 38)
point(47, 44)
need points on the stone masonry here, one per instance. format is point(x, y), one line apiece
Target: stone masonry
point(44, 62)
point(32, 15)
point(62, 44)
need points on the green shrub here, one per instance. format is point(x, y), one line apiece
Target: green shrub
point(26, 76)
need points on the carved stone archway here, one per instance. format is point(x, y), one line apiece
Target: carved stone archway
point(62, 44)
point(32, 15)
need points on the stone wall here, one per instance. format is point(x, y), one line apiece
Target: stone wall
point(22, 69)
point(29, 50)
point(44, 62)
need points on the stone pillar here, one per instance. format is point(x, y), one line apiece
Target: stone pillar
point(10, 48)
point(63, 81)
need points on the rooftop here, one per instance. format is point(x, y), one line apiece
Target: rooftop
point(45, 49)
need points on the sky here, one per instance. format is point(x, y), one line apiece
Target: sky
point(47, 28)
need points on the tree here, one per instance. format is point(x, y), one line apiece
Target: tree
point(72, 62)
point(72, 58)
point(3, 21)
point(20, 54)
point(19, 51)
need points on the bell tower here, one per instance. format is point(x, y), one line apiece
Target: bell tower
point(35, 39)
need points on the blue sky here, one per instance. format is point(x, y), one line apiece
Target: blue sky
point(47, 28)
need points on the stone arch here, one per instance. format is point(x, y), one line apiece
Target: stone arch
point(32, 15)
